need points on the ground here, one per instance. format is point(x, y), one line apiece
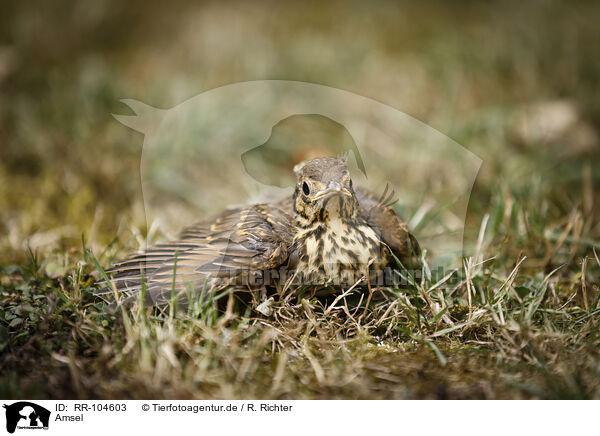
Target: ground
point(521, 318)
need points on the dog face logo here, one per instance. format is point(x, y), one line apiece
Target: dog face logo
point(239, 143)
point(26, 415)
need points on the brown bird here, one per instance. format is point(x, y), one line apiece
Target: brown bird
point(329, 232)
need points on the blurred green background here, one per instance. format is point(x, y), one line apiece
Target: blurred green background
point(515, 82)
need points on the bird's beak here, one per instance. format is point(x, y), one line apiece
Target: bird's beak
point(334, 188)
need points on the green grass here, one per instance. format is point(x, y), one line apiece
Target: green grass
point(520, 319)
point(503, 329)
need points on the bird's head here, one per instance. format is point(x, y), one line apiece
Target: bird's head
point(323, 191)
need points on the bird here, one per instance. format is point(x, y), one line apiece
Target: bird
point(327, 233)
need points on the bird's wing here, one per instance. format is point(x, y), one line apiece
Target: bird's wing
point(382, 217)
point(239, 241)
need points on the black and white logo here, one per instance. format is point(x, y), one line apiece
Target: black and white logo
point(26, 415)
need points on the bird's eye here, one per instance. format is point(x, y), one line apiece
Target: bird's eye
point(305, 188)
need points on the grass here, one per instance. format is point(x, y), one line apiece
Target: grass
point(501, 329)
point(520, 319)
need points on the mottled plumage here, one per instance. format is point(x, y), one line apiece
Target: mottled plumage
point(327, 232)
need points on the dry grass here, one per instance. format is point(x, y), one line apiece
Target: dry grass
point(496, 332)
point(521, 319)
